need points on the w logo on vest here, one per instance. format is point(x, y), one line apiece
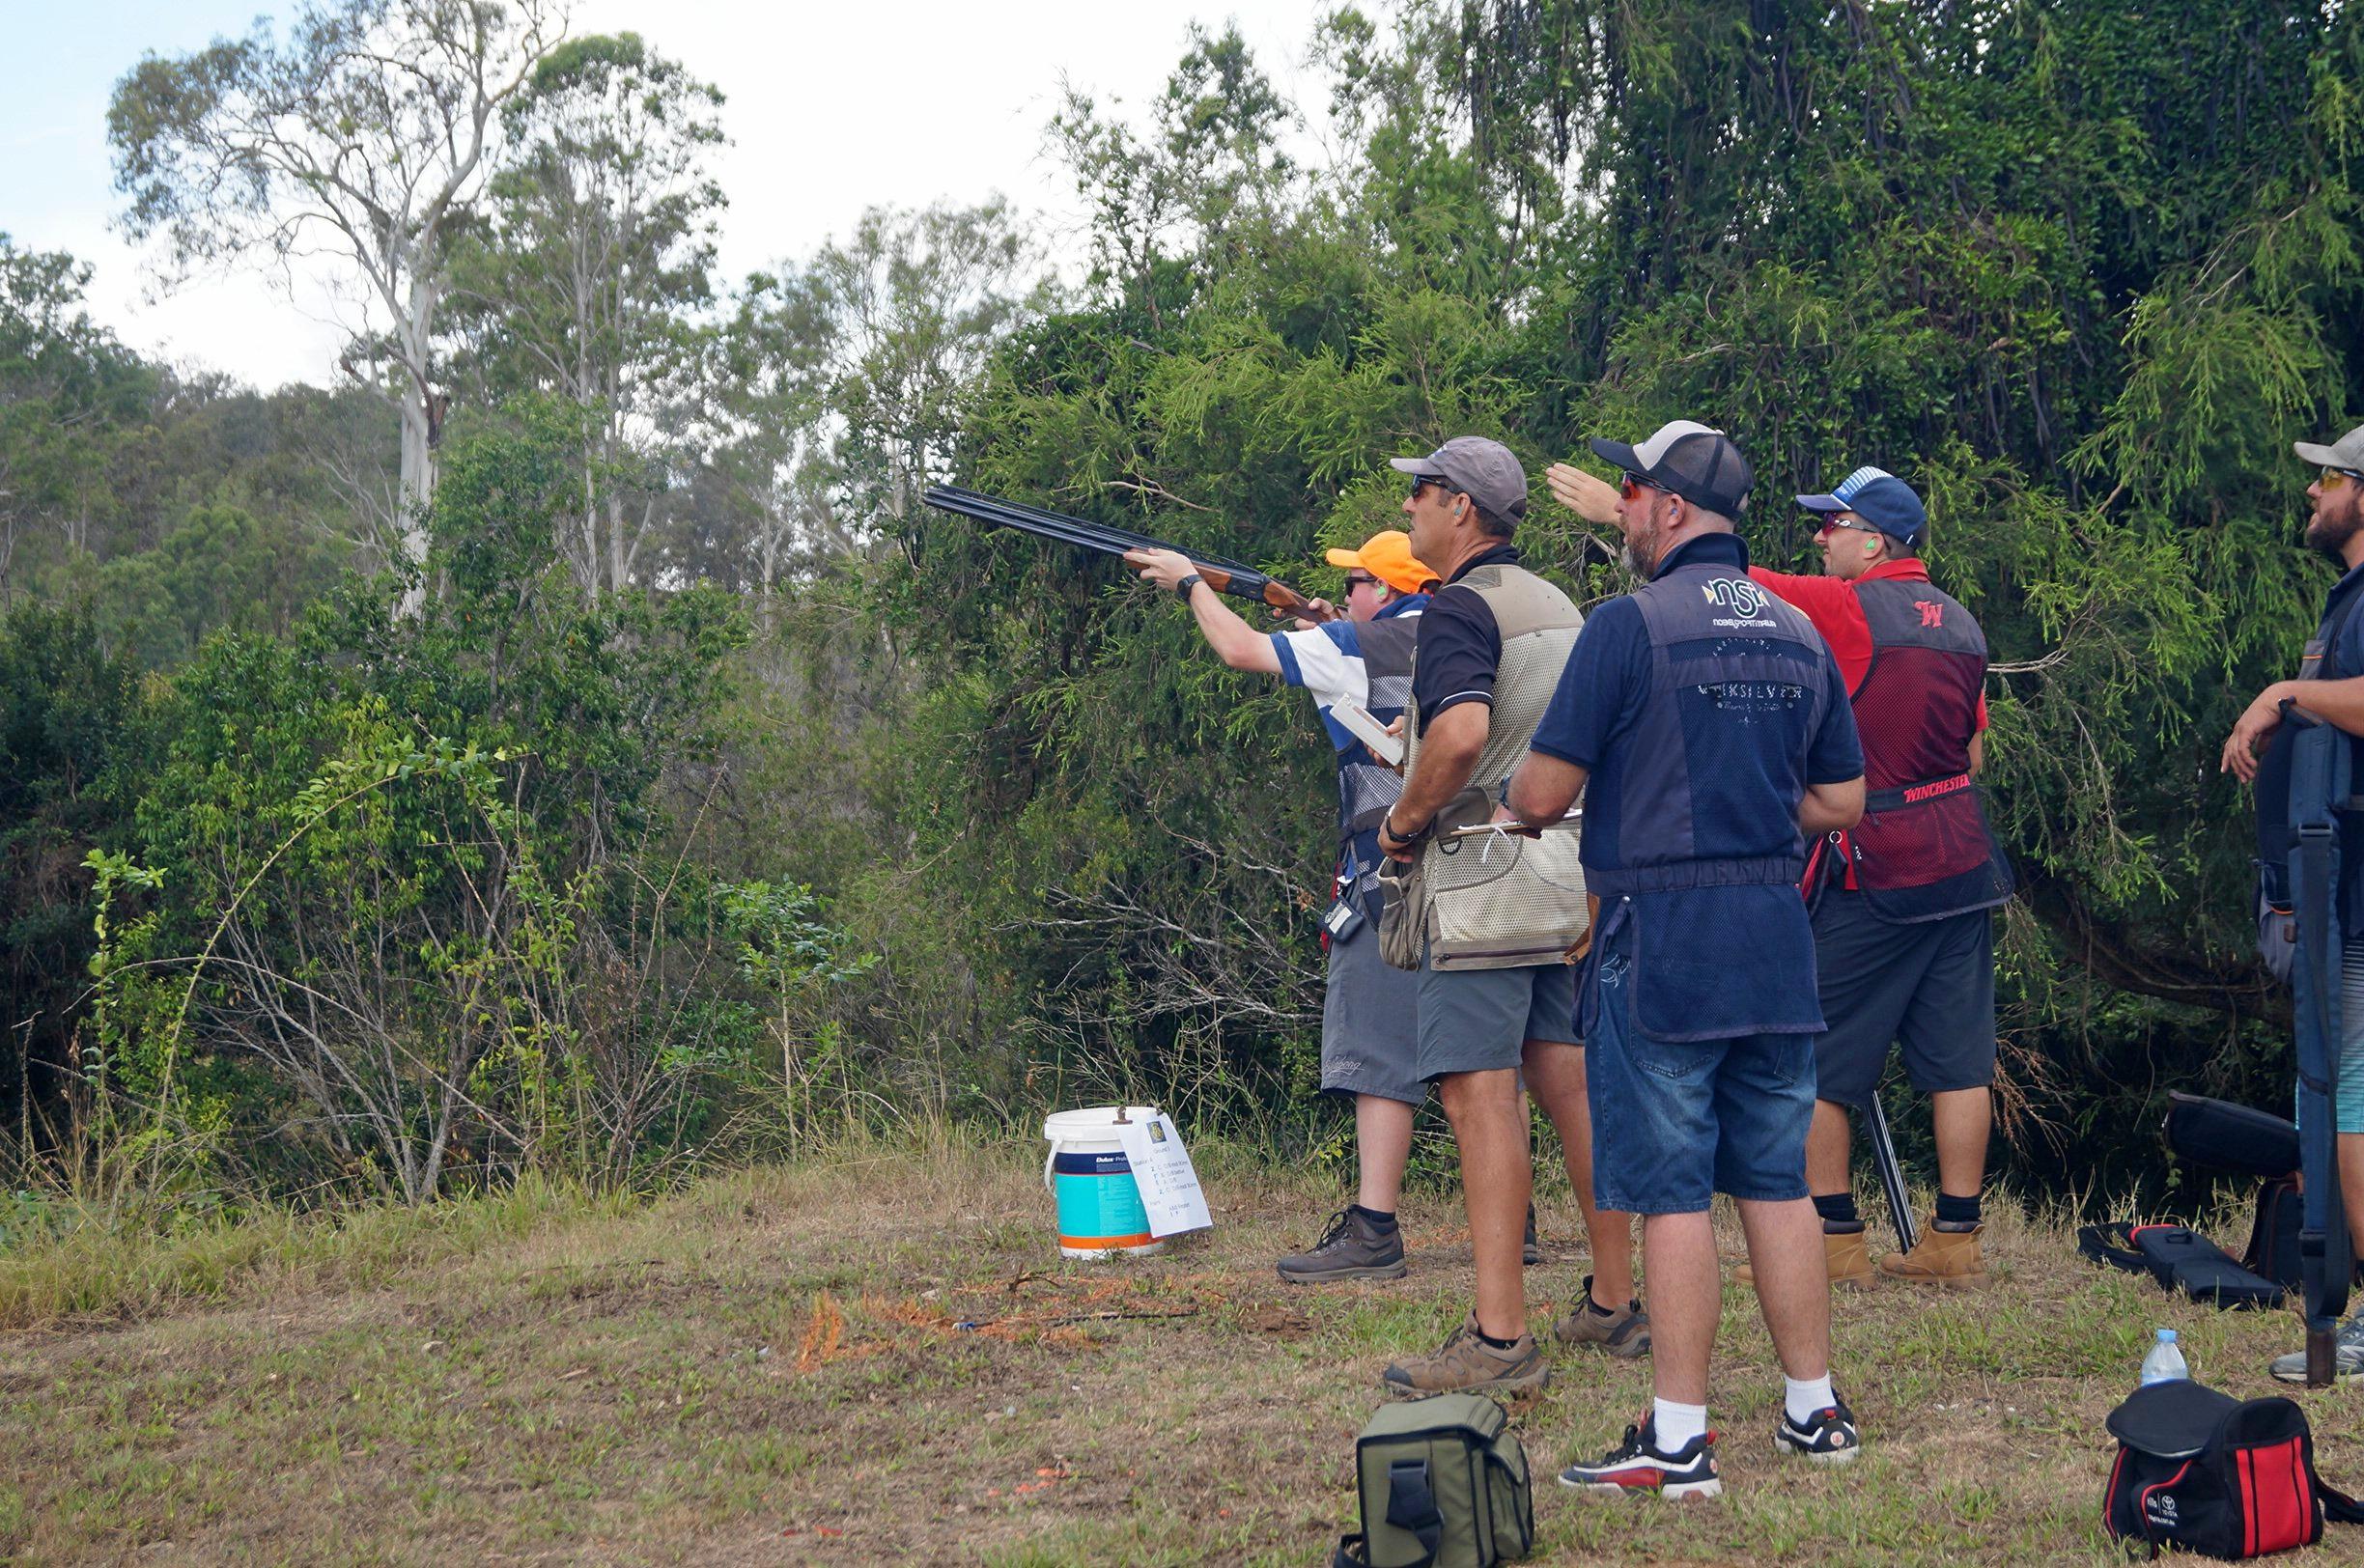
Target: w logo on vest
point(1931, 615)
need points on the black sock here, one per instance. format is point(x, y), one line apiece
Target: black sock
point(1381, 1218)
point(1955, 1212)
point(1838, 1213)
point(1593, 1306)
point(1498, 1344)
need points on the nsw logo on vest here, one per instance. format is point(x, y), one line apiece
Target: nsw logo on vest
point(1743, 597)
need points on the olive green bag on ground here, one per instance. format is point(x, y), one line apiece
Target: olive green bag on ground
point(1444, 1485)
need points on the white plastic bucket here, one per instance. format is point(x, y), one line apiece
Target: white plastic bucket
point(1100, 1213)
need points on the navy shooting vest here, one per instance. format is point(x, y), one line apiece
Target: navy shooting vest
point(1368, 788)
point(1739, 682)
point(1923, 850)
point(2330, 654)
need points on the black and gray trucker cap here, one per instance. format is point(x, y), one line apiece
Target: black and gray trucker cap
point(1689, 458)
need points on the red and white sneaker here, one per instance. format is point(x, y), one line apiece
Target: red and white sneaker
point(1639, 1464)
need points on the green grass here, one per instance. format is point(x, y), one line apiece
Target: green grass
point(766, 1368)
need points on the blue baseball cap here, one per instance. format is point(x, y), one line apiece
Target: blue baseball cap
point(1880, 498)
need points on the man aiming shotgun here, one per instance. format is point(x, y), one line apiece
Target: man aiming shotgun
point(1363, 662)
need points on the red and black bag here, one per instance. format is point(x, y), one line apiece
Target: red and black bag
point(2218, 1475)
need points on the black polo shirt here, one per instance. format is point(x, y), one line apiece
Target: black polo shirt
point(1461, 646)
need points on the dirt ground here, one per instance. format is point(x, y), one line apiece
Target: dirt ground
point(882, 1359)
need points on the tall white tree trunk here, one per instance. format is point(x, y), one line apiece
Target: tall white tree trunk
point(421, 422)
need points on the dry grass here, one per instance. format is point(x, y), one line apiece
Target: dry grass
point(879, 1360)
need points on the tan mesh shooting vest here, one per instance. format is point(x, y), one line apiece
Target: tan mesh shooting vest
point(1497, 901)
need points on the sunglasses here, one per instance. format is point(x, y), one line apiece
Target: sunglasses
point(1826, 523)
point(1631, 485)
point(1421, 481)
point(2334, 478)
point(1356, 579)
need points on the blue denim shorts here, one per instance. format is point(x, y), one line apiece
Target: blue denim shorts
point(1675, 1122)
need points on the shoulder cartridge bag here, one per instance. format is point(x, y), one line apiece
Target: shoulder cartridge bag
point(1444, 1484)
point(2206, 1473)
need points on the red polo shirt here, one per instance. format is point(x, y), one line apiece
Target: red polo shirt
point(1831, 605)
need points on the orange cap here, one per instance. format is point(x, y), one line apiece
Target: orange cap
point(1387, 556)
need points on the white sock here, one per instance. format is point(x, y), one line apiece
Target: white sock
point(1677, 1424)
point(1803, 1397)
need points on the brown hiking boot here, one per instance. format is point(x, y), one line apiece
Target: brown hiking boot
point(1466, 1365)
point(1849, 1259)
point(1623, 1333)
point(1948, 1259)
point(1351, 1248)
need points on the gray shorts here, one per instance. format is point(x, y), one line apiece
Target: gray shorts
point(1370, 1041)
point(1474, 1020)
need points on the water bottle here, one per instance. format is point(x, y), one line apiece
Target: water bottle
point(2165, 1363)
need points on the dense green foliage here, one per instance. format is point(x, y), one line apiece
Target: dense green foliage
point(2082, 271)
point(715, 760)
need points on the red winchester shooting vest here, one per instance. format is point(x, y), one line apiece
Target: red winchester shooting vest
point(1923, 850)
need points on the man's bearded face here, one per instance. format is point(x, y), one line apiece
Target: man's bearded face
point(2339, 517)
point(1645, 535)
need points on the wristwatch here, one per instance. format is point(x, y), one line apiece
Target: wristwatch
point(1387, 830)
point(1182, 589)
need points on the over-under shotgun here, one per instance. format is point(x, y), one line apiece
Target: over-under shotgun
point(1219, 574)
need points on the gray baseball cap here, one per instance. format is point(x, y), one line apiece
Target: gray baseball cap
point(2347, 452)
point(1480, 469)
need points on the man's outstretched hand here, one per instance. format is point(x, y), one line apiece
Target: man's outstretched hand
point(1589, 496)
point(1165, 568)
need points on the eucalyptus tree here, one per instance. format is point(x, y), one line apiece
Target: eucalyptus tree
point(1207, 166)
point(769, 465)
point(68, 391)
point(367, 133)
point(913, 305)
point(592, 270)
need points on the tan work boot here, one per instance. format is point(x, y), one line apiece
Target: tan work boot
point(1948, 1259)
point(1466, 1365)
point(1623, 1333)
point(1849, 1259)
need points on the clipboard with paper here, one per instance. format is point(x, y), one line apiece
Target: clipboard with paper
point(1162, 1169)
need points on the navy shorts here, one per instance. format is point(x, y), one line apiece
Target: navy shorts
point(1930, 986)
point(1675, 1122)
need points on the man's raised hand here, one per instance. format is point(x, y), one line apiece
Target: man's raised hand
point(1589, 496)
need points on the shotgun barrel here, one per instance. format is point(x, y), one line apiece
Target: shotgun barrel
point(1222, 576)
point(1891, 1171)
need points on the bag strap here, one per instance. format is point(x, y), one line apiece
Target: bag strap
point(1353, 1552)
point(2337, 1506)
point(1412, 1505)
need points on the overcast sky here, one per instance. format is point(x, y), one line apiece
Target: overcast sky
point(832, 107)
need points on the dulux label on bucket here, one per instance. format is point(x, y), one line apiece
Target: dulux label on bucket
point(1098, 1201)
